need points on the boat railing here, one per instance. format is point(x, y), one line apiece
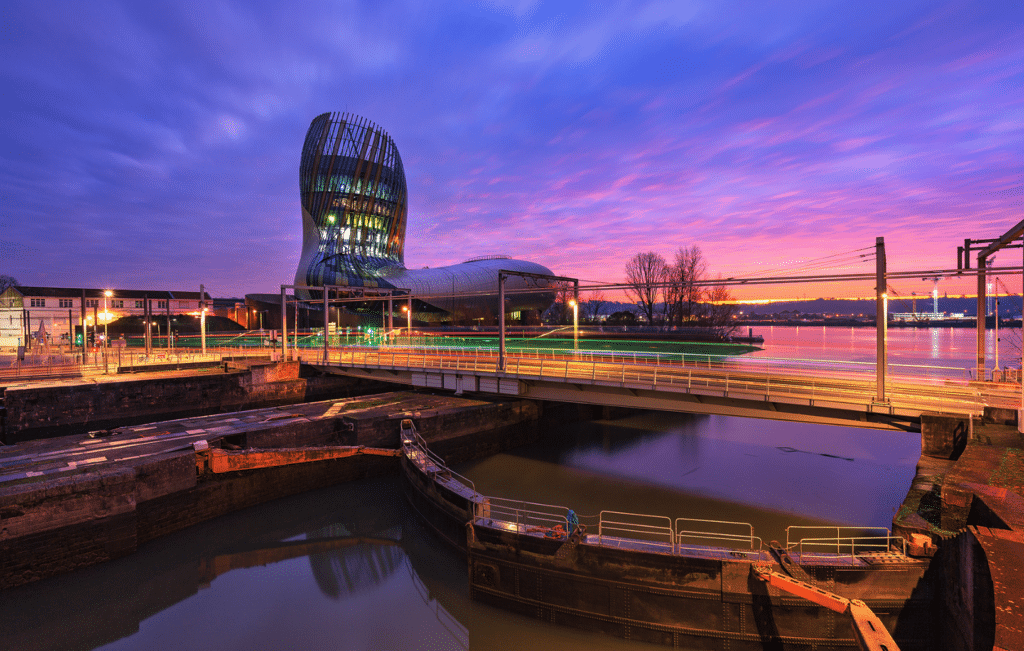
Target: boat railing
point(645, 530)
point(694, 533)
point(524, 517)
point(847, 541)
point(416, 450)
point(650, 532)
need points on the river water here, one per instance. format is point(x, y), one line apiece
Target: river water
point(380, 581)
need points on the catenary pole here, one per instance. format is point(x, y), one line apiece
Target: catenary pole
point(881, 318)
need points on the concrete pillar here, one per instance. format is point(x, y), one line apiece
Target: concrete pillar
point(501, 321)
point(944, 436)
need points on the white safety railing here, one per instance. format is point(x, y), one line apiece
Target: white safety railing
point(693, 533)
point(648, 531)
point(524, 517)
point(416, 450)
point(831, 542)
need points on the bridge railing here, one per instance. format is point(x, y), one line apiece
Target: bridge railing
point(847, 382)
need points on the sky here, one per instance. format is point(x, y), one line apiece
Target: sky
point(156, 144)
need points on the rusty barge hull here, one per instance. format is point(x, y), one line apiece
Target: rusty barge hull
point(681, 601)
point(703, 598)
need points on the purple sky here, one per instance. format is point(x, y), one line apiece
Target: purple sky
point(156, 144)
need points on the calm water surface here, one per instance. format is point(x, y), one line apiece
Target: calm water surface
point(910, 349)
point(380, 581)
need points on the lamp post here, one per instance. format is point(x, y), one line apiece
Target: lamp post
point(202, 318)
point(575, 323)
point(408, 320)
point(106, 317)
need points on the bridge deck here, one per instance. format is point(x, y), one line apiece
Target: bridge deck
point(731, 386)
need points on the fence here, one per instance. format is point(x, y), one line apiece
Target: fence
point(839, 382)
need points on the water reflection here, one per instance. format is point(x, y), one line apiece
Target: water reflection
point(349, 570)
point(909, 349)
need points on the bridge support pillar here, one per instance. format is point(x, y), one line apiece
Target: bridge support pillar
point(944, 436)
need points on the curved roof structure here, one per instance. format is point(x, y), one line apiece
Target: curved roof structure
point(354, 208)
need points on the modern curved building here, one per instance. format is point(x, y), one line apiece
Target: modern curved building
point(354, 209)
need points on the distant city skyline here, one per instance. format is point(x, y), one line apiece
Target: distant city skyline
point(157, 144)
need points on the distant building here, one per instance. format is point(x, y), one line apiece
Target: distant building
point(354, 206)
point(58, 310)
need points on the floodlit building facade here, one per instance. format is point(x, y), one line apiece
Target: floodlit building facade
point(354, 210)
point(57, 311)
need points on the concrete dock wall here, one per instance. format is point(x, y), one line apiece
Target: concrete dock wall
point(68, 408)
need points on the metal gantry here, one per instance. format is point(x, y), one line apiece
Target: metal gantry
point(505, 273)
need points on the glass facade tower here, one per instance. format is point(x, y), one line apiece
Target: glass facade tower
point(353, 194)
point(354, 208)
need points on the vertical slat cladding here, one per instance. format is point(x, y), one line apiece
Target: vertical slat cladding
point(310, 163)
point(397, 235)
point(365, 183)
point(372, 208)
point(327, 196)
point(355, 178)
point(319, 188)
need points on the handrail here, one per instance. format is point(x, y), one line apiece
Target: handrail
point(720, 536)
point(413, 442)
point(640, 528)
point(848, 541)
point(521, 518)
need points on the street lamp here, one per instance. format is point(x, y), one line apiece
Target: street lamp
point(106, 316)
point(408, 320)
point(106, 320)
point(575, 323)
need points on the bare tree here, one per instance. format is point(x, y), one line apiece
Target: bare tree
point(8, 281)
point(593, 306)
point(684, 295)
point(561, 311)
point(720, 309)
point(644, 273)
